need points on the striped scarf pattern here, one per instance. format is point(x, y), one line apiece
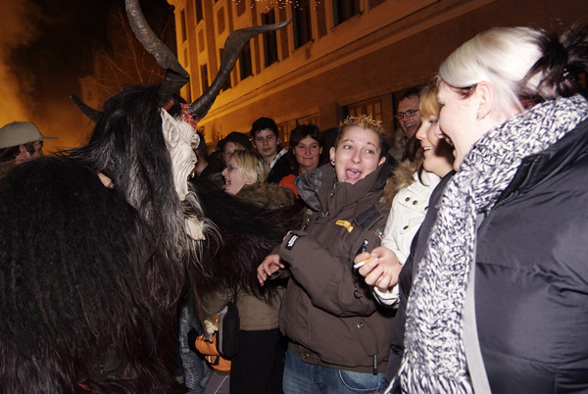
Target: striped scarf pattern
point(434, 359)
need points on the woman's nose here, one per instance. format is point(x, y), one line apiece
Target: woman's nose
point(421, 132)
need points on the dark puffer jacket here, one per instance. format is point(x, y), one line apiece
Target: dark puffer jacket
point(532, 274)
point(328, 313)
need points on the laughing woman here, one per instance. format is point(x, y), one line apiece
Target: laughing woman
point(257, 365)
point(512, 225)
point(338, 336)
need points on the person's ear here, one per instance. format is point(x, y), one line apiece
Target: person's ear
point(485, 94)
point(332, 155)
point(382, 160)
point(22, 152)
point(320, 150)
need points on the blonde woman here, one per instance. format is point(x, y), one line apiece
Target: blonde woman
point(509, 243)
point(258, 363)
point(338, 335)
point(243, 168)
point(409, 189)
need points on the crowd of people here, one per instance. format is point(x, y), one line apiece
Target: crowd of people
point(447, 259)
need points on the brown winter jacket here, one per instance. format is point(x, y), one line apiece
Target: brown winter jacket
point(328, 312)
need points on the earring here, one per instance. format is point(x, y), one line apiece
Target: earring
point(332, 162)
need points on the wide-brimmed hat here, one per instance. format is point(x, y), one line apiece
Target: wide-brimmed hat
point(18, 133)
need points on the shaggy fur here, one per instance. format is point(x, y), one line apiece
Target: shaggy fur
point(249, 233)
point(74, 299)
point(90, 276)
point(400, 179)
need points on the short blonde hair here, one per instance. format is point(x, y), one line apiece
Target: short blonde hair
point(251, 166)
point(365, 122)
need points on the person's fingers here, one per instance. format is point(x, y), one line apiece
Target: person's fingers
point(366, 266)
point(384, 282)
point(361, 257)
point(373, 275)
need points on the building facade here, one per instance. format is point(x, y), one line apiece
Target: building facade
point(336, 57)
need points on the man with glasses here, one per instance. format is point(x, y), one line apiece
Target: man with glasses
point(409, 119)
point(19, 142)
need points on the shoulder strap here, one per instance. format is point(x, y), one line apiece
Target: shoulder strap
point(367, 217)
point(470, 336)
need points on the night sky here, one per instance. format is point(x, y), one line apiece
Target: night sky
point(44, 50)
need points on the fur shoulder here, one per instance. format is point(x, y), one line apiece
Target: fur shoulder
point(401, 178)
point(267, 195)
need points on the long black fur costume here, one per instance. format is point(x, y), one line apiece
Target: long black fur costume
point(249, 233)
point(91, 277)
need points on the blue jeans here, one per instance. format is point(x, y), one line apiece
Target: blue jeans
point(304, 378)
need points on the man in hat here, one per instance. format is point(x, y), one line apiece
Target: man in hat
point(19, 143)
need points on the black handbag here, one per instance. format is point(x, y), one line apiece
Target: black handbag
point(228, 328)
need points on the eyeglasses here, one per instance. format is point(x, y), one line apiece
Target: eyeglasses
point(409, 114)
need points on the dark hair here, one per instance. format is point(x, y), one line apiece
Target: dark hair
point(128, 146)
point(298, 134)
point(411, 149)
point(329, 137)
point(236, 138)
point(201, 148)
point(262, 124)
point(410, 93)
point(10, 153)
point(562, 59)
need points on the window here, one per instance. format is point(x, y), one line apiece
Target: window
point(321, 19)
point(344, 9)
point(220, 17)
point(369, 107)
point(285, 128)
point(301, 22)
point(201, 45)
point(374, 3)
point(270, 43)
point(183, 25)
point(240, 7)
point(199, 13)
point(204, 77)
point(245, 67)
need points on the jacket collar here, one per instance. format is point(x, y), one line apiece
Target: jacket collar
point(321, 191)
point(539, 167)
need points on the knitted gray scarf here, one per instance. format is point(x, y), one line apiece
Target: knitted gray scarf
point(434, 359)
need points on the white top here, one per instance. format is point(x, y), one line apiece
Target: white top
point(408, 211)
point(280, 154)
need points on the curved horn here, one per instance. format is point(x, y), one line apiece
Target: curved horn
point(90, 112)
point(233, 47)
point(176, 76)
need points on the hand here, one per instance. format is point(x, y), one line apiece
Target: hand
point(268, 266)
point(381, 268)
